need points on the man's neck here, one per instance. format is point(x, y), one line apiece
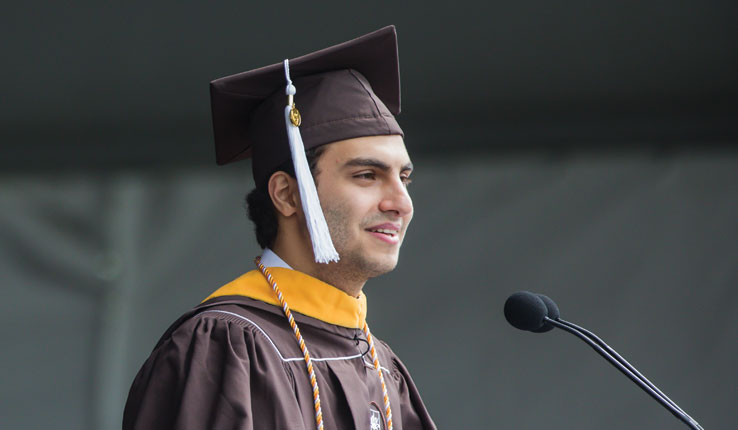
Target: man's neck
point(331, 273)
point(270, 259)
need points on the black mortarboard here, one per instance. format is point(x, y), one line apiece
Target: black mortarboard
point(344, 91)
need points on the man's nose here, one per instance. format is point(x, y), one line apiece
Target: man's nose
point(396, 199)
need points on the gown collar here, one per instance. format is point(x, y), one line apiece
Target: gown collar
point(304, 294)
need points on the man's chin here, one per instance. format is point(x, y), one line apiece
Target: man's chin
point(381, 266)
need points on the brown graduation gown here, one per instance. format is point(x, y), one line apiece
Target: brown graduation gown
point(233, 363)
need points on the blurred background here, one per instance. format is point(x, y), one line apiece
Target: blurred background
point(586, 150)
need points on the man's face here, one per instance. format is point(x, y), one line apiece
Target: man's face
point(362, 185)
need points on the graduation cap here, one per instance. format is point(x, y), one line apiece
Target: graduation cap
point(345, 91)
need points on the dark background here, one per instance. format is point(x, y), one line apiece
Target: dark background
point(586, 150)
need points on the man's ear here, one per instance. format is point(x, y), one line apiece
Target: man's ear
point(284, 193)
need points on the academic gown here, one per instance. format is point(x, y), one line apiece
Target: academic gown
point(234, 363)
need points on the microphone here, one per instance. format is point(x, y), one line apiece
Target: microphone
point(538, 313)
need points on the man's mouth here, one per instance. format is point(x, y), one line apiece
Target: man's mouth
point(387, 232)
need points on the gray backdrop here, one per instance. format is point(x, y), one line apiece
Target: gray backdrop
point(638, 246)
point(583, 150)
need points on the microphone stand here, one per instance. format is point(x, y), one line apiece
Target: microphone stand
point(623, 366)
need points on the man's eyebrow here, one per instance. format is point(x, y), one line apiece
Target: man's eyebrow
point(373, 162)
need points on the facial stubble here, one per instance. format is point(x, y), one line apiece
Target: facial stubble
point(355, 265)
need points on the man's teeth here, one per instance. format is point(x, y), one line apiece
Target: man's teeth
point(385, 231)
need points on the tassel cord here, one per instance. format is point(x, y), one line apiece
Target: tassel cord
point(323, 248)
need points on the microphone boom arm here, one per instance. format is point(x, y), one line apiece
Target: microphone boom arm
point(624, 367)
point(622, 361)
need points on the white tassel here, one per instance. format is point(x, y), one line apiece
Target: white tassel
point(319, 234)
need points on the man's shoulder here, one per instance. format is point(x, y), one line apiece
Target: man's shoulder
point(224, 321)
point(229, 303)
point(224, 336)
point(226, 313)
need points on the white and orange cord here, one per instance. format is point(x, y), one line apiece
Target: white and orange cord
point(309, 361)
point(375, 360)
point(300, 340)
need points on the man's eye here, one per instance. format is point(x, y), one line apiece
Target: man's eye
point(366, 175)
point(406, 180)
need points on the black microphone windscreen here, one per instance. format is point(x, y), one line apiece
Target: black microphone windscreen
point(553, 313)
point(525, 311)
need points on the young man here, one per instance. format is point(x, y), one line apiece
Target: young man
point(286, 345)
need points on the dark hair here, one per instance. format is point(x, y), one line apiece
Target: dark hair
point(259, 205)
